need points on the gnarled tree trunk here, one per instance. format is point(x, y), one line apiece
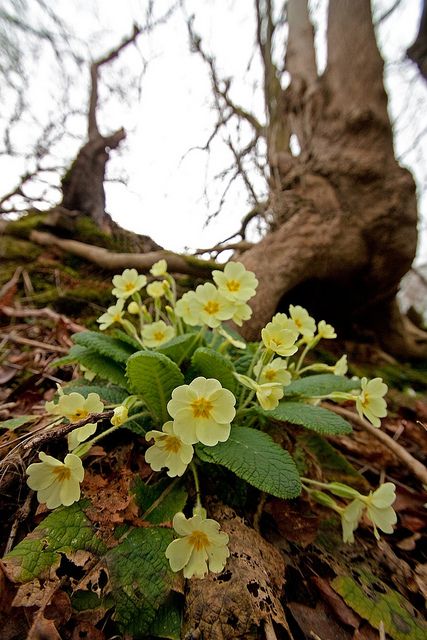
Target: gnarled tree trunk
point(344, 229)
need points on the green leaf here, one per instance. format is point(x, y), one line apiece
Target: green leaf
point(14, 423)
point(124, 337)
point(72, 357)
point(102, 365)
point(140, 578)
point(154, 376)
point(211, 364)
point(168, 620)
point(243, 363)
point(180, 348)
point(161, 501)
point(309, 416)
point(65, 530)
point(105, 345)
point(253, 456)
point(374, 601)
point(111, 394)
point(321, 384)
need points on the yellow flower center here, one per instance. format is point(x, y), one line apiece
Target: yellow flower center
point(199, 540)
point(270, 374)
point(172, 444)
point(201, 408)
point(62, 473)
point(233, 285)
point(117, 317)
point(129, 286)
point(159, 335)
point(298, 323)
point(211, 307)
point(79, 414)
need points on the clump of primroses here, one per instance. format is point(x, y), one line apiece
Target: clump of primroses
point(202, 411)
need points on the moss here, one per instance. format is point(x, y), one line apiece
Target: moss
point(22, 228)
point(87, 231)
point(12, 248)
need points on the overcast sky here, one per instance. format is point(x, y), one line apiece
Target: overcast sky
point(166, 182)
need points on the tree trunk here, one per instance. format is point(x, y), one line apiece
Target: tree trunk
point(344, 230)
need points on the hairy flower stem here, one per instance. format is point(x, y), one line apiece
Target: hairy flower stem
point(196, 485)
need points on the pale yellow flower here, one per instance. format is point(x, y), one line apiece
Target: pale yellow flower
point(376, 506)
point(241, 313)
point(168, 451)
point(133, 308)
point(379, 509)
point(112, 315)
point(341, 367)
point(274, 371)
point(202, 544)
point(128, 283)
point(277, 337)
point(120, 415)
point(159, 268)
point(87, 373)
point(304, 323)
point(156, 334)
point(326, 331)
point(187, 311)
point(156, 289)
point(76, 407)
point(268, 394)
point(211, 306)
point(56, 482)
point(80, 435)
point(235, 283)
point(370, 402)
point(202, 411)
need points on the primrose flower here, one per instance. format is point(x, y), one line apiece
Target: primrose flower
point(211, 306)
point(378, 510)
point(128, 283)
point(156, 289)
point(56, 482)
point(370, 402)
point(156, 334)
point(241, 313)
point(304, 323)
point(274, 371)
point(268, 394)
point(80, 435)
point(202, 544)
point(120, 415)
point(280, 338)
point(168, 451)
point(326, 331)
point(87, 373)
point(235, 283)
point(202, 411)
point(159, 268)
point(341, 367)
point(76, 407)
point(186, 310)
point(112, 315)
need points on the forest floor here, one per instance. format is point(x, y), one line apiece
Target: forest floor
point(322, 589)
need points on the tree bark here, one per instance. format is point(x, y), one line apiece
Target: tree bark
point(344, 210)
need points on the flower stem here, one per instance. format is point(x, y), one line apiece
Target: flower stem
point(196, 484)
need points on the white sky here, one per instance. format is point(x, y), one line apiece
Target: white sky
point(164, 197)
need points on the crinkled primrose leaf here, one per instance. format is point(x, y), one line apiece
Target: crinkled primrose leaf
point(311, 417)
point(211, 364)
point(253, 456)
point(321, 384)
point(160, 501)
point(65, 530)
point(105, 345)
point(140, 577)
point(154, 376)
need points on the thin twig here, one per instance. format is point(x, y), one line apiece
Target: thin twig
point(34, 343)
point(414, 465)
point(21, 516)
point(63, 429)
